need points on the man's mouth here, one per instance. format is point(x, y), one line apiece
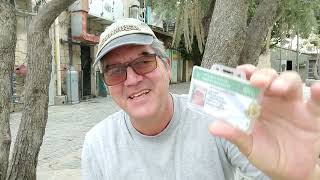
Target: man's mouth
point(144, 92)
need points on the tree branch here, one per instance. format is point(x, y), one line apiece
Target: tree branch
point(207, 19)
point(29, 139)
point(265, 17)
point(48, 13)
point(227, 32)
point(7, 52)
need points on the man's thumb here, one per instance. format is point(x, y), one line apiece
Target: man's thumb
point(242, 140)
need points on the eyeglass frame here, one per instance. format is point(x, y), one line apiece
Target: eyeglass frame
point(126, 65)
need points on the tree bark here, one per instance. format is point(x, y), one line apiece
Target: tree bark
point(227, 32)
point(7, 58)
point(34, 117)
point(207, 19)
point(265, 17)
point(264, 58)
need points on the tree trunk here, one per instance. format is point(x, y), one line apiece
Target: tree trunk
point(265, 17)
point(7, 53)
point(207, 19)
point(226, 34)
point(34, 117)
point(264, 58)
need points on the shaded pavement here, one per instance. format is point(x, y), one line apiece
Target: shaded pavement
point(59, 157)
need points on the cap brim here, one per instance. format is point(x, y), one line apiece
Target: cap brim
point(136, 39)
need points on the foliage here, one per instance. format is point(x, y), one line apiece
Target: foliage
point(296, 15)
point(195, 55)
point(187, 15)
point(38, 4)
point(253, 4)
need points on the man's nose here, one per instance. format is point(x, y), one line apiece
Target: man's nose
point(132, 77)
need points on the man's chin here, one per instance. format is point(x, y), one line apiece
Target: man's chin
point(142, 114)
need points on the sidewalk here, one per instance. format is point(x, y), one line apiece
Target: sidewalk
point(60, 153)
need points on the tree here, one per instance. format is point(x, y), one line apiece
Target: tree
point(299, 16)
point(234, 36)
point(192, 19)
point(34, 116)
point(238, 40)
point(227, 33)
point(7, 53)
point(267, 13)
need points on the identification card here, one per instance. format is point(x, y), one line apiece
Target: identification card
point(225, 94)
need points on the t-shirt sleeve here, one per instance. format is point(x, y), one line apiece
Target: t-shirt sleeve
point(242, 165)
point(89, 164)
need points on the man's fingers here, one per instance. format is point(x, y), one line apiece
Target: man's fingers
point(263, 78)
point(287, 85)
point(242, 140)
point(315, 93)
point(314, 101)
point(248, 69)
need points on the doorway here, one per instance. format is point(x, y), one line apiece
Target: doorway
point(85, 71)
point(289, 66)
point(286, 65)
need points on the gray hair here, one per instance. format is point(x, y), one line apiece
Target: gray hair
point(159, 49)
point(157, 46)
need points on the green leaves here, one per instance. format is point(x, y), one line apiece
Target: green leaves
point(300, 15)
point(188, 16)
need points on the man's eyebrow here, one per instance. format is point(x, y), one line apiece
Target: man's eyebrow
point(147, 53)
point(143, 53)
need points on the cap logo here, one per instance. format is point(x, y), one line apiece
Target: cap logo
point(119, 29)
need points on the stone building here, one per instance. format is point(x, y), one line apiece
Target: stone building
point(24, 14)
point(283, 59)
point(74, 36)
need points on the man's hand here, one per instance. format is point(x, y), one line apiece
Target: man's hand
point(285, 141)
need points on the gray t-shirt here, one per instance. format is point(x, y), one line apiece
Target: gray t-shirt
point(114, 149)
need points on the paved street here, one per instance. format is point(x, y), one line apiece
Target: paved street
point(59, 158)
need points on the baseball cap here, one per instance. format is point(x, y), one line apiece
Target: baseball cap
point(123, 32)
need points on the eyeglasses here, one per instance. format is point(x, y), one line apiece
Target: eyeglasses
point(117, 73)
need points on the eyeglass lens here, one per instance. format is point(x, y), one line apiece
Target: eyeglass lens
point(117, 73)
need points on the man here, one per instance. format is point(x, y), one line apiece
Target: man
point(155, 135)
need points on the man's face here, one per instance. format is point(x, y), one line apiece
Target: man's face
point(141, 96)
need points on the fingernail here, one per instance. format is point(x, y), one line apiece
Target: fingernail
point(279, 84)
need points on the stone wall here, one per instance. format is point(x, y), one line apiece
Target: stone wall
point(64, 22)
point(21, 46)
point(93, 28)
point(23, 16)
point(291, 56)
point(64, 25)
